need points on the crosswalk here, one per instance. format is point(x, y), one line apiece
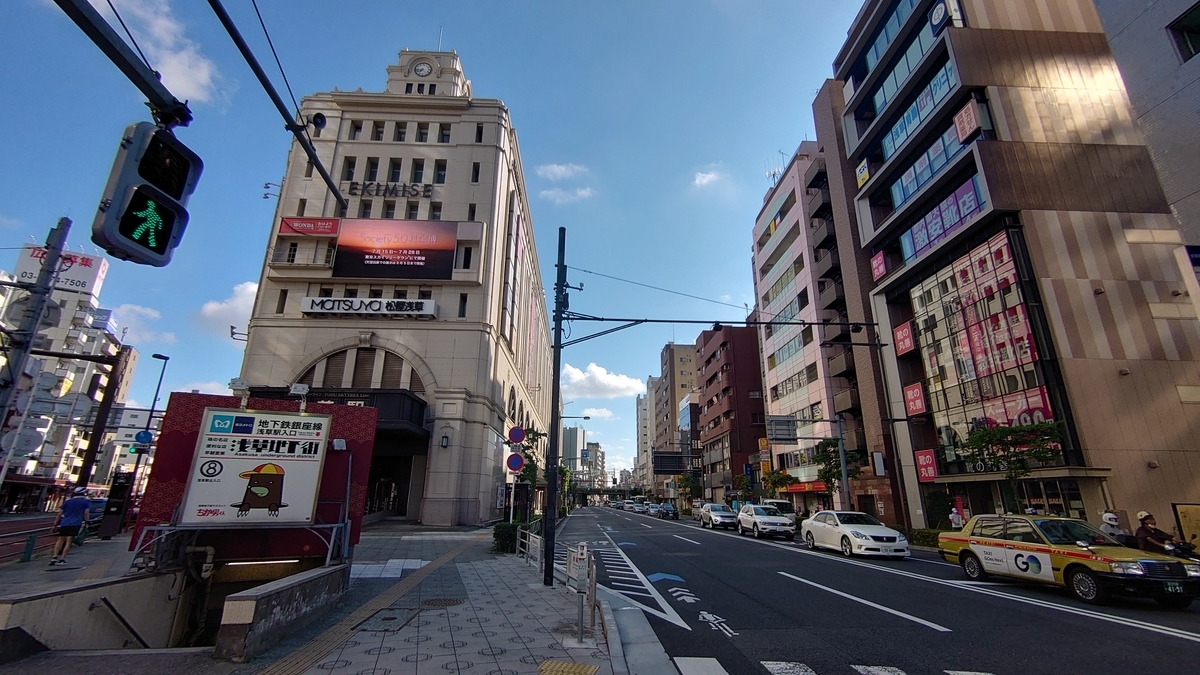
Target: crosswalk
point(710, 666)
point(392, 569)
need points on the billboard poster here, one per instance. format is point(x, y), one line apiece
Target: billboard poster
point(926, 466)
point(313, 227)
point(878, 266)
point(903, 337)
point(914, 399)
point(255, 467)
point(78, 272)
point(396, 249)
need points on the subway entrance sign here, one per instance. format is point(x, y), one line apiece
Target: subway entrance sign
point(143, 212)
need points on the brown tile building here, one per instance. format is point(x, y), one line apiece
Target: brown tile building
point(1012, 241)
point(731, 404)
point(676, 380)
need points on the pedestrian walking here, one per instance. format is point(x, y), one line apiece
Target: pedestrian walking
point(71, 516)
point(956, 520)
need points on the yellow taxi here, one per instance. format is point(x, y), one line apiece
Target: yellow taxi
point(1068, 552)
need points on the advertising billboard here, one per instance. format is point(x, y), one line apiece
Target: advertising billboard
point(313, 227)
point(396, 249)
point(927, 470)
point(77, 272)
point(255, 467)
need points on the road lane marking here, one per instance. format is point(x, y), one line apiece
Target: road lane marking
point(691, 665)
point(889, 610)
point(665, 612)
point(787, 668)
point(686, 539)
point(645, 525)
point(878, 670)
point(964, 672)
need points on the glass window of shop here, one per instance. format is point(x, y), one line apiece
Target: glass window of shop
point(905, 64)
point(977, 348)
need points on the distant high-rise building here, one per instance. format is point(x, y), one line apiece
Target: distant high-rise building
point(643, 472)
point(676, 379)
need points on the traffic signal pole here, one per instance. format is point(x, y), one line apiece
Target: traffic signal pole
point(551, 514)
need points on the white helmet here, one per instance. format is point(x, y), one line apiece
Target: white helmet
point(1110, 518)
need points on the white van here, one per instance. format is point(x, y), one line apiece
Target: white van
point(784, 507)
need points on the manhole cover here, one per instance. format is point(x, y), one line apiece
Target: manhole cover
point(441, 602)
point(390, 619)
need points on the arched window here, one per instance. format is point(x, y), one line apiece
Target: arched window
point(512, 403)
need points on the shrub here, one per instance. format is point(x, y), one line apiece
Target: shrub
point(504, 538)
point(685, 512)
point(924, 537)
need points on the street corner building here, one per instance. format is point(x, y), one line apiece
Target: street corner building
point(422, 298)
point(997, 213)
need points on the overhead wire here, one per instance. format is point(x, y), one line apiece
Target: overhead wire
point(131, 38)
point(279, 65)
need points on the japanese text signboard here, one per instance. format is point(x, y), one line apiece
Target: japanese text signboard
point(903, 336)
point(926, 466)
point(914, 399)
point(77, 272)
point(255, 467)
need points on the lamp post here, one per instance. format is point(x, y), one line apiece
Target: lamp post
point(149, 420)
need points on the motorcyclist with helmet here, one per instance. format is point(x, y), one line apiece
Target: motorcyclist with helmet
point(1150, 538)
point(1112, 526)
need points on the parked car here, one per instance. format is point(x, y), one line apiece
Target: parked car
point(764, 521)
point(639, 507)
point(652, 509)
point(717, 515)
point(783, 506)
point(627, 505)
point(669, 512)
point(1068, 552)
point(697, 508)
point(853, 533)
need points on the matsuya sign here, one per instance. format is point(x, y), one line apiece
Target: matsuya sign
point(424, 309)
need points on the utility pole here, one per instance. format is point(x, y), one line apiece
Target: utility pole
point(22, 340)
point(846, 501)
point(560, 305)
point(96, 438)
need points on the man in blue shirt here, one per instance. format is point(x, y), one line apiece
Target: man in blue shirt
point(71, 516)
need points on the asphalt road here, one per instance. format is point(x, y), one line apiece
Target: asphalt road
point(721, 603)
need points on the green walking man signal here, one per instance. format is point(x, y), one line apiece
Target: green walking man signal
point(143, 213)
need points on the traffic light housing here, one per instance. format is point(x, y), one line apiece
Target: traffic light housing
point(143, 212)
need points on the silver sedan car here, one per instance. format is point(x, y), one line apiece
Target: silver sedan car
point(717, 515)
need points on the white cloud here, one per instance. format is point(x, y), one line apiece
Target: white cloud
point(561, 196)
point(10, 223)
point(135, 322)
point(219, 315)
point(596, 382)
point(560, 171)
point(599, 413)
point(210, 387)
point(706, 178)
point(189, 75)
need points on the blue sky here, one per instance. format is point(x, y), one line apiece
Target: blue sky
point(645, 128)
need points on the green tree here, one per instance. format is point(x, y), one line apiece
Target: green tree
point(1011, 450)
point(778, 480)
point(686, 486)
point(741, 484)
point(828, 459)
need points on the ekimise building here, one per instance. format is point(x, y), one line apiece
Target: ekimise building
point(422, 298)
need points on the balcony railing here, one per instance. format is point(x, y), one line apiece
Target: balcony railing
point(841, 363)
point(825, 266)
point(831, 295)
point(819, 204)
point(821, 232)
point(846, 399)
point(816, 176)
point(834, 331)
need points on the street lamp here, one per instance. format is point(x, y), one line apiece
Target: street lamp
point(149, 419)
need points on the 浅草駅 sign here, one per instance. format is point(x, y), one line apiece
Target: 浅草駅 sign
point(256, 467)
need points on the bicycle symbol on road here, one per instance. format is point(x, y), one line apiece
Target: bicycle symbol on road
point(211, 468)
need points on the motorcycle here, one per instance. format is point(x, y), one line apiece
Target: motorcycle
point(1183, 549)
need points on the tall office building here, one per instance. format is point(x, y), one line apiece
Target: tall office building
point(643, 472)
point(1018, 254)
point(574, 440)
point(676, 380)
point(423, 298)
point(1155, 44)
point(729, 411)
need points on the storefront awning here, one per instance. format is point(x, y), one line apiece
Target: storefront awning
point(810, 486)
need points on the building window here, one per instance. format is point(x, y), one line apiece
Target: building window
point(478, 133)
point(377, 131)
point(802, 299)
point(389, 209)
point(470, 212)
point(291, 252)
point(1186, 31)
point(341, 212)
point(348, 168)
point(432, 89)
point(372, 169)
point(408, 88)
point(350, 292)
point(282, 302)
point(375, 293)
point(462, 305)
point(466, 258)
point(475, 172)
point(418, 171)
point(439, 171)
point(420, 88)
point(443, 133)
point(364, 209)
point(394, 171)
point(355, 131)
point(301, 206)
point(412, 210)
point(401, 130)
point(400, 294)
point(425, 294)
point(423, 132)
point(324, 292)
point(435, 210)
point(308, 169)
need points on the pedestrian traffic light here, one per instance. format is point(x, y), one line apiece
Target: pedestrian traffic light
point(143, 212)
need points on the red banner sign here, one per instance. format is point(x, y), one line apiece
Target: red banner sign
point(811, 486)
point(903, 335)
point(914, 399)
point(926, 466)
point(318, 227)
point(878, 266)
point(966, 121)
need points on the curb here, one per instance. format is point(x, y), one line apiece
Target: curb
point(612, 636)
point(641, 651)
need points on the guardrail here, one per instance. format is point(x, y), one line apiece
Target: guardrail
point(22, 546)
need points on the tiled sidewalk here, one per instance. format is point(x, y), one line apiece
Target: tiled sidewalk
point(487, 614)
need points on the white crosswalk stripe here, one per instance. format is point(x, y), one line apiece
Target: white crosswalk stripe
point(878, 670)
point(788, 668)
point(689, 665)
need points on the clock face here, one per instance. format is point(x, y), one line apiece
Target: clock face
point(423, 69)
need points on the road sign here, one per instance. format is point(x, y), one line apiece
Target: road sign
point(515, 462)
point(748, 469)
point(781, 429)
point(29, 440)
point(143, 436)
point(516, 435)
